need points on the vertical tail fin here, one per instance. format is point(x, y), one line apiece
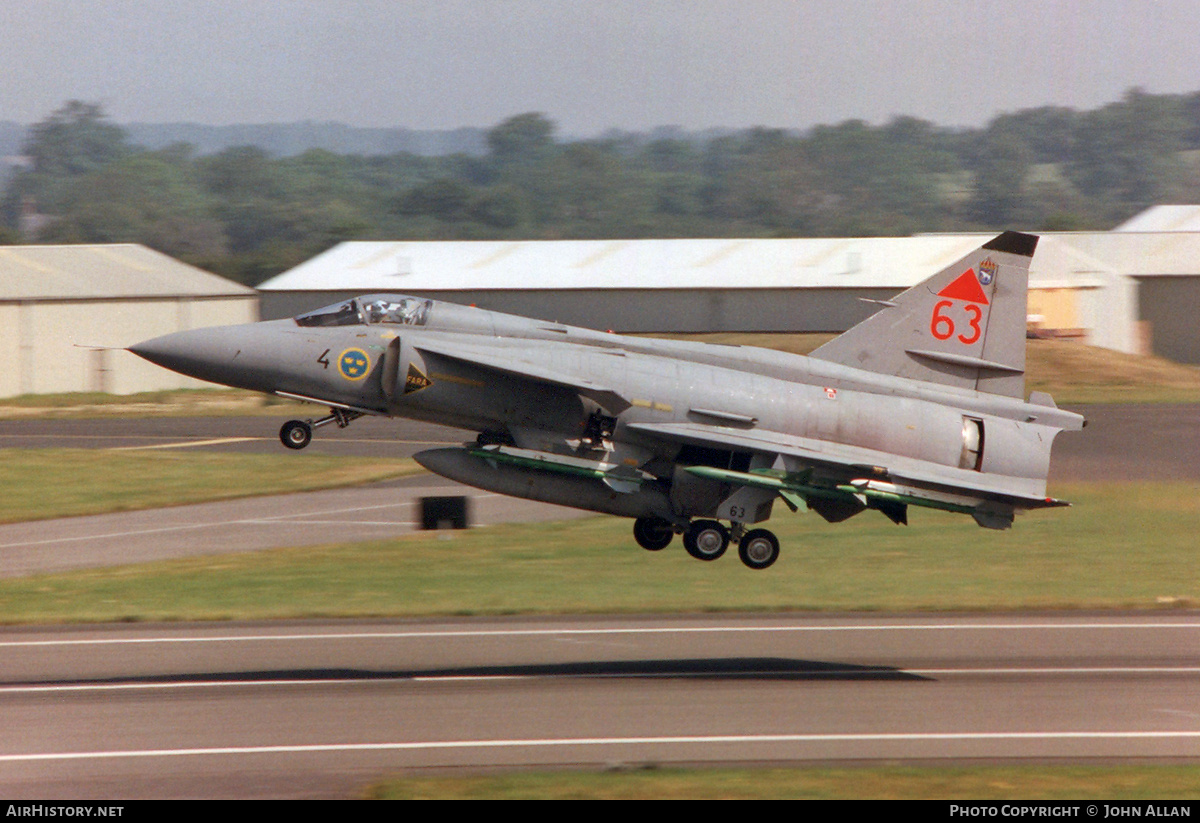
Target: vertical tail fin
point(963, 327)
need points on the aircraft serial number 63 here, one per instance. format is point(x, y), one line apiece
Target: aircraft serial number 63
point(922, 404)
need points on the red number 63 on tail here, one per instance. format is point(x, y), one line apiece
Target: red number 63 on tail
point(942, 325)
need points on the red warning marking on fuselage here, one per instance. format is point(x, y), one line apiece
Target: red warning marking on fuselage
point(965, 287)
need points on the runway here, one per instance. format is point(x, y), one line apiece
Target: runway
point(319, 709)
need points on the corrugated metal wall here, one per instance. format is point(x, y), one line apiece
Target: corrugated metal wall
point(1168, 306)
point(43, 343)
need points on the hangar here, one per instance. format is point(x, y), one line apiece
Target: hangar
point(768, 285)
point(55, 301)
point(1135, 289)
point(1160, 249)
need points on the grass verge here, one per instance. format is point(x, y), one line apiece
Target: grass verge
point(1062, 783)
point(37, 484)
point(1123, 546)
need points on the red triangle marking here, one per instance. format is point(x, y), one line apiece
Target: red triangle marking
point(965, 287)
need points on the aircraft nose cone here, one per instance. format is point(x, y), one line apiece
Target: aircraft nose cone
point(171, 351)
point(227, 355)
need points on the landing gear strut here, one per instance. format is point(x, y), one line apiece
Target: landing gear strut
point(296, 434)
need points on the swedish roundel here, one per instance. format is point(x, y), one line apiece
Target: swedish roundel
point(354, 364)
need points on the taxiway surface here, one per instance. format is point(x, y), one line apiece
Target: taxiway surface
point(375, 511)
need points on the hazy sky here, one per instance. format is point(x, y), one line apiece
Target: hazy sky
point(587, 64)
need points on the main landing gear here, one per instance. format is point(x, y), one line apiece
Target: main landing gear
point(296, 434)
point(708, 540)
point(652, 534)
point(758, 548)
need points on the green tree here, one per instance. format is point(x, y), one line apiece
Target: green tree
point(524, 140)
point(1005, 160)
point(500, 207)
point(1127, 153)
point(444, 198)
point(1049, 133)
point(241, 174)
point(145, 198)
point(75, 140)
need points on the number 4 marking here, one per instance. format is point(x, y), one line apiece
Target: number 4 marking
point(324, 358)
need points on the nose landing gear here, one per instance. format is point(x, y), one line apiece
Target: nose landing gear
point(296, 434)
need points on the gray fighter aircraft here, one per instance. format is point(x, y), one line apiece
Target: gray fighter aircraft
point(922, 404)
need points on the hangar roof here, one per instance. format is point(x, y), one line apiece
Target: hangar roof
point(104, 272)
point(1164, 219)
point(1143, 253)
point(874, 262)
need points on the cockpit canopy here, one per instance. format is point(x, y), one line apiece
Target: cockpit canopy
point(374, 309)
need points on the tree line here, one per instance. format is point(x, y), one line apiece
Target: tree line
point(248, 215)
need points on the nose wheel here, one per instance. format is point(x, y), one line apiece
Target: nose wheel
point(296, 434)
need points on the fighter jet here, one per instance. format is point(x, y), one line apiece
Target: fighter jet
point(922, 404)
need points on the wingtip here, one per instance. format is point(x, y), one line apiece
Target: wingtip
point(1013, 242)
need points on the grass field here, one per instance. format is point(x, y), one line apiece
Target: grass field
point(1064, 783)
point(37, 484)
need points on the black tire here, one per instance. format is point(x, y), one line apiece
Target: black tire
point(652, 534)
point(758, 548)
point(706, 539)
point(295, 434)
